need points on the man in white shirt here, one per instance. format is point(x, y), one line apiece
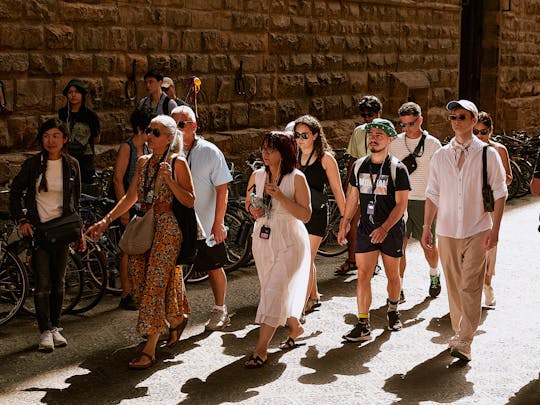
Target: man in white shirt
point(419, 143)
point(464, 229)
point(210, 176)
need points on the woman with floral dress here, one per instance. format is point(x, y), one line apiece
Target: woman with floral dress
point(157, 281)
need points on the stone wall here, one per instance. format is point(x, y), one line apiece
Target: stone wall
point(298, 57)
point(518, 97)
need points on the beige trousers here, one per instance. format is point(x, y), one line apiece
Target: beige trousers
point(464, 265)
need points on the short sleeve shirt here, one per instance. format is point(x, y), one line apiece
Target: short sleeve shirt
point(358, 143)
point(208, 170)
point(384, 195)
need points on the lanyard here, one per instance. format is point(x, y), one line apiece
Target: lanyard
point(374, 183)
point(149, 184)
point(189, 151)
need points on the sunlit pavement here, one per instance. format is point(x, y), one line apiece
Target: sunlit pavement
point(407, 367)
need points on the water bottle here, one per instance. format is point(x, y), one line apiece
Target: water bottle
point(210, 241)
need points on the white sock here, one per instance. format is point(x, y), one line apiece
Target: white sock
point(433, 271)
point(222, 308)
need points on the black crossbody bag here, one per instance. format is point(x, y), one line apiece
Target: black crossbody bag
point(487, 192)
point(410, 160)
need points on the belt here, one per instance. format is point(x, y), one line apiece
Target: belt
point(159, 208)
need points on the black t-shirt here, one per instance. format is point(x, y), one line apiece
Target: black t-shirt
point(87, 118)
point(385, 190)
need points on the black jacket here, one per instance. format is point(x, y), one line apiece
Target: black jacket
point(23, 187)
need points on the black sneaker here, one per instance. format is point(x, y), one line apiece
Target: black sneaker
point(434, 286)
point(360, 332)
point(393, 321)
point(128, 303)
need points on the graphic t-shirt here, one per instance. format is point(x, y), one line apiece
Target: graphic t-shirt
point(376, 185)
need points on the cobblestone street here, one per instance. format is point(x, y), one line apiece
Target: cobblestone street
point(407, 367)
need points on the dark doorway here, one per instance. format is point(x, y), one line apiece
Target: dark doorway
point(471, 50)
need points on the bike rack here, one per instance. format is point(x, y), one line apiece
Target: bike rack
point(130, 88)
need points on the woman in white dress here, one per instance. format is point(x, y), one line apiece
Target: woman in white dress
point(278, 198)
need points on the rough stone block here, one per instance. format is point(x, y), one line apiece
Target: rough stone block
point(250, 22)
point(14, 62)
point(22, 131)
point(192, 40)
point(316, 108)
point(212, 41)
point(178, 18)
point(251, 63)
point(265, 86)
point(76, 64)
point(240, 42)
point(262, 114)
point(300, 62)
point(21, 37)
point(160, 62)
point(239, 115)
point(59, 36)
point(198, 64)
point(178, 62)
point(332, 107)
point(280, 22)
point(290, 86)
point(135, 14)
point(220, 116)
point(225, 88)
point(11, 10)
point(34, 95)
point(114, 95)
point(104, 13)
point(105, 63)
point(359, 81)
point(147, 40)
point(45, 64)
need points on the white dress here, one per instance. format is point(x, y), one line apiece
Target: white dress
point(283, 261)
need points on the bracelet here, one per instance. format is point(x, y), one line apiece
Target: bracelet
point(23, 221)
point(108, 219)
point(426, 226)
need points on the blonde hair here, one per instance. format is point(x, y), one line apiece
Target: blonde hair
point(177, 142)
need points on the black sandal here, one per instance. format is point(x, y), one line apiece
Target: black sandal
point(345, 268)
point(254, 362)
point(289, 344)
point(311, 305)
point(172, 341)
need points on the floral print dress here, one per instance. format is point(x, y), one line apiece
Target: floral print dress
point(157, 282)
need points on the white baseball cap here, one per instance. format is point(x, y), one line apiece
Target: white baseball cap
point(167, 82)
point(465, 104)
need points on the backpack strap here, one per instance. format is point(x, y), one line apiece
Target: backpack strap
point(166, 105)
point(393, 167)
point(419, 150)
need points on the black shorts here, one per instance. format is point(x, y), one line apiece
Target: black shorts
point(210, 258)
point(392, 246)
point(318, 222)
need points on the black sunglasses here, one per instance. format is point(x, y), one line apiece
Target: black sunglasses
point(480, 131)
point(461, 117)
point(182, 124)
point(153, 131)
point(408, 124)
point(302, 135)
point(367, 115)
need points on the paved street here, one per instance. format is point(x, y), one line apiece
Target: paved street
point(407, 367)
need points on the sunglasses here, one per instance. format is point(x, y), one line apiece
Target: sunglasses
point(302, 135)
point(408, 124)
point(367, 115)
point(182, 124)
point(453, 117)
point(153, 131)
point(480, 131)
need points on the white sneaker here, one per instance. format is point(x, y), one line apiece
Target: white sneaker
point(46, 343)
point(218, 320)
point(58, 339)
point(490, 296)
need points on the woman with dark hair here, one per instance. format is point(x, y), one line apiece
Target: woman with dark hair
point(317, 162)
point(48, 186)
point(483, 130)
point(84, 128)
point(124, 170)
point(278, 198)
point(157, 281)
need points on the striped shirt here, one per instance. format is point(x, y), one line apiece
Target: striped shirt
point(402, 147)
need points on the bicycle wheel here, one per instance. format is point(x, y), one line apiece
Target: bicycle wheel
point(237, 252)
point(527, 172)
point(112, 254)
point(13, 285)
point(515, 185)
point(329, 246)
point(91, 264)
point(74, 283)
point(192, 275)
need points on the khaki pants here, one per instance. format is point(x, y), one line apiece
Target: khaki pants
point(463, 262)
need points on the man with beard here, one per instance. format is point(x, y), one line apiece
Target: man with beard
point(381, 183)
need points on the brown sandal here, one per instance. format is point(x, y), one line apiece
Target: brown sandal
point(173, 340)
point(136, 364)
point(345, 268)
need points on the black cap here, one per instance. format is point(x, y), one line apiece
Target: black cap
point(75, 83)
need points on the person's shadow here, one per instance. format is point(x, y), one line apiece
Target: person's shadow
point(350, 358)
point(439, 379)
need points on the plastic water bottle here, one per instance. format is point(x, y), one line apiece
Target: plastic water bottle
point(210, 241)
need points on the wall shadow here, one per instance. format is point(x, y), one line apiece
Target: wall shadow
point(528, 394)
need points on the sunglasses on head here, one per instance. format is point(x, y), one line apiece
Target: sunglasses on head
point(153, 131)
point(367, 114)
point(182, 124)
point(453, 117)
point(302, 135)
point(408, 124)
point(480, 131)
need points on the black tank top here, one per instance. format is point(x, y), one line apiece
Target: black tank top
point(315, 173)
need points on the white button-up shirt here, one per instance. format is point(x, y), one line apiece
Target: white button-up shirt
point(458, 193)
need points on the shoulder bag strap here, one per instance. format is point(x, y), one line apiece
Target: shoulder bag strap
point(420, 147)
point(484, 166)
